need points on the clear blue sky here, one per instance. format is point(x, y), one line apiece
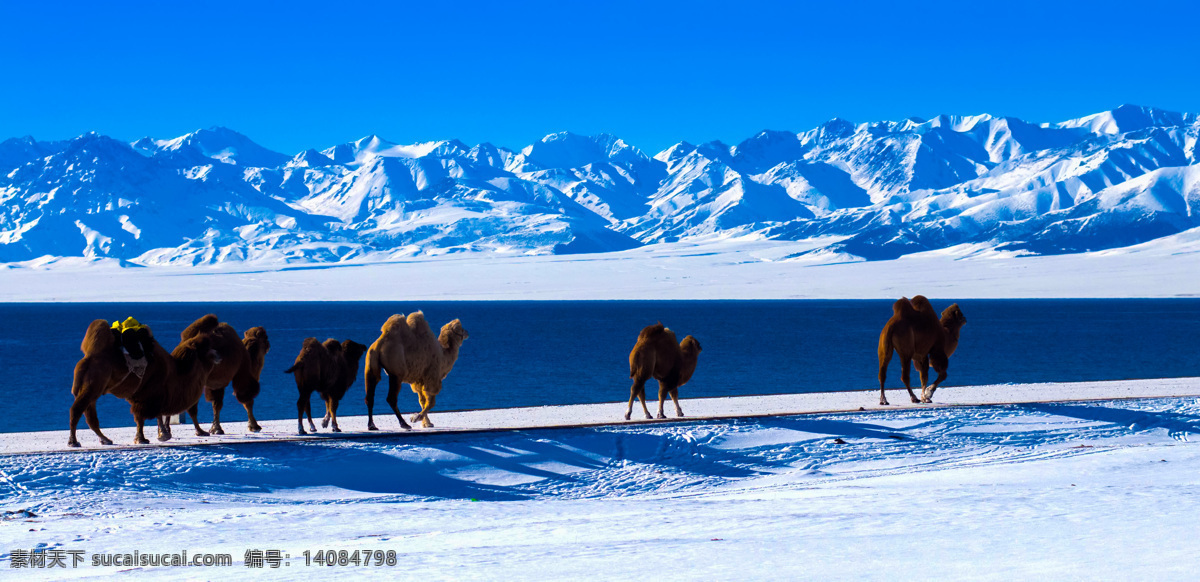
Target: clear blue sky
point(293, 75)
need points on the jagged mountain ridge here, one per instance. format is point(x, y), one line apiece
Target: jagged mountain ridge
point(886, 189)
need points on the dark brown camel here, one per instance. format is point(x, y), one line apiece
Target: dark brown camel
point(327, 369)
point(241, 363)
point(155, 385)
point(657, 355)
point(917, 335)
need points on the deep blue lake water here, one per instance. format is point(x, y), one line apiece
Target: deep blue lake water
point(541, 353)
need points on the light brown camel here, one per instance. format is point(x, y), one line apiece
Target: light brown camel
point(915, 333)
point(409, 353)
point(328, 369)
point(657, 355)
point(241, 363)
point(155, 385)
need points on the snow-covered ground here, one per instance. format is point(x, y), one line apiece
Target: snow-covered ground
point(708, 269)
point(1098, 490)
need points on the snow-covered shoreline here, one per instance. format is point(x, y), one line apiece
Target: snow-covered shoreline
point(606, 414)
point(718, 269)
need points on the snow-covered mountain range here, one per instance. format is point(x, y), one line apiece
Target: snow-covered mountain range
point(872, 191)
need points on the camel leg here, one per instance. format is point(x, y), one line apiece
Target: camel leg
point(331, 408)
point(662, 395)
point(300, 413)
point(218, 402)
point(922, 364)
point(427, 401)
point(77, 410)
point(638, 386)
point(196, 420)
point(308, 411)
point(906, 376)
point(93, 423)
point(885, 356)
point(371, 376)
point(642, 399)
point(421, 406)
point(140, 437)
point(940, 364)
point(251, 422)
point(87, 377)
point(674, 392)
point(393, 398)
point(328, 416)
point(164, 428)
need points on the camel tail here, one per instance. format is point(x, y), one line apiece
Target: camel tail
point(292, 369)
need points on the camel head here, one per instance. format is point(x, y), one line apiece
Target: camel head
point(255, 338)
point(690, 345)
point(452, 335)
point(953, 318)
point(197, 351)
point(353, 350)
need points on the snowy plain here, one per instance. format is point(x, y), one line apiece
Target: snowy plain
point(714, 268)
point(1095, 490)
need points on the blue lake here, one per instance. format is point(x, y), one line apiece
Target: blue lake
point(540, 353)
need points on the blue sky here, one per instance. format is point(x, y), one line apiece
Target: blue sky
point(293, 75)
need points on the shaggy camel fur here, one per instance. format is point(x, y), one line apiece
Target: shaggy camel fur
point(657, 355)
point(168, 383)
point(916, 334)
point(241, 363)
point(408, 352)
point(327, 369)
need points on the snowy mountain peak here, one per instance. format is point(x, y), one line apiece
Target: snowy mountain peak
point(675, 152)
point(310, 158)
point(1127, 118)
point(571, 150)
point(767, 149)
point(216, 143)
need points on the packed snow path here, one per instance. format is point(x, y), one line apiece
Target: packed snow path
point(603, 414)
point(1048, 490)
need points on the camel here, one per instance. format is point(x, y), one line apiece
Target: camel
point(657, 355)
point(409, 353)
point(241, 363)
point(916, 334)
point(328, 369)
point(156, 384)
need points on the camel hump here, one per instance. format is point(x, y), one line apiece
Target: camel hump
point(903, 306)
point(98, 337)
point(652, 330)
point(920, 303)
point(393, 323)
point(417, 323)
point(203, 325)
point(333, 346)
